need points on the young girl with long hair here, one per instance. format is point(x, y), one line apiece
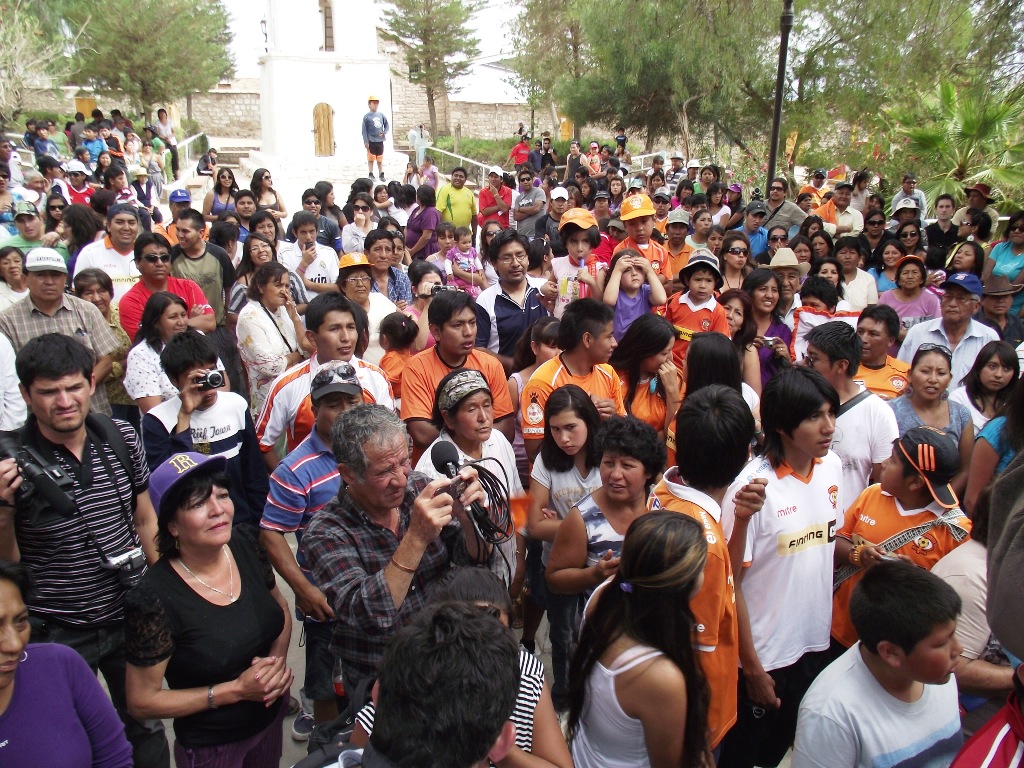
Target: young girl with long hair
point(648, 377)
point(637, 696)
point(987, 387)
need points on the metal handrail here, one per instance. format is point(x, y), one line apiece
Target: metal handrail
point(468, 163)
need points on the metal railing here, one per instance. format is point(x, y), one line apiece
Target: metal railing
point(446, 161)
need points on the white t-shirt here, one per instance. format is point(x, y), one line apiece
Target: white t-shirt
point(564, 490)
point(863, 437)
point(120, 268)
point(788, 558)
point(380, 307)
point(861, 291)
point(959, 395)
point(323, 270)
point(847, 720)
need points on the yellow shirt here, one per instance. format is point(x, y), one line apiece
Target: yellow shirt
point(457, 205)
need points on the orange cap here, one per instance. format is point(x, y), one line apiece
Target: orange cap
point(581, 217)
point(636, 206)
point(357, 259)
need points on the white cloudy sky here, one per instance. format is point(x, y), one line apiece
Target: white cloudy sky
point(248, 39)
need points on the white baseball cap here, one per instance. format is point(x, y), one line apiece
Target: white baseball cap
point(45, 260)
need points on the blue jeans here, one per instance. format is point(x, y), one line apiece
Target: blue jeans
point(561, 611)
point(102, 647)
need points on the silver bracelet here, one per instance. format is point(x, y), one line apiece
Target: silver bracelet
point(209, 698)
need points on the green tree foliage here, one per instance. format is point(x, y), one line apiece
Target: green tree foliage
point(151, 51)
point(438, 48)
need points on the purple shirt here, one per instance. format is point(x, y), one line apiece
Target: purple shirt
point(59, 715)
point(628, 309)
point(769, 362)
point(420, 221)
point(924, 306)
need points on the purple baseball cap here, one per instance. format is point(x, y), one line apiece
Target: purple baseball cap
point(174, 470)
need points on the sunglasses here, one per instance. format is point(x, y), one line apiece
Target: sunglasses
point(153, 258)
point(778, 238)
point(1018, 228)
point(738, 251)
point(776, 189)
point(363, 208)
point(341, 373)
point(313, 201)
point(966, 223)
point(876, 222)
point(908, 235)
point(55, 207)
point(935, 348)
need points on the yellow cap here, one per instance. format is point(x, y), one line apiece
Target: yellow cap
point(635, 206)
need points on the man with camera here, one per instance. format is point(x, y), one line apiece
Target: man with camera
point(209, 420)
point(76, 512)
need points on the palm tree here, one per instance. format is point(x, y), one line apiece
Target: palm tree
point(971, 136)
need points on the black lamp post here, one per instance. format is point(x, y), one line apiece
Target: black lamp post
point(786, 25)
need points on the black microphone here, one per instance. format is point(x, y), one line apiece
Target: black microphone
point(445, 458)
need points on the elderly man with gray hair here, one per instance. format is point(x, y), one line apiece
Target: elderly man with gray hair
point(391, 533)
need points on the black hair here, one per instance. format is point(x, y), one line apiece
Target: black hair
point(374, 236)
point(900, 603)
point(246, 265)
point(974, 245)
point(156, 305)
point(839, 341)
point(794, 394)
point(543, 331)
point(303, 218)
point(884, 314)
point(933, 350)
point(663, 556)
point(581, 317)
point(20, 576)
point(628, 436)
point(52, 356)
point(503, 238)
point(1015, 419)
point(711, 359)
point(195, 488)
point(982, 221)
point(406, 196)
point(112, 173)
point(446, 305)
point(400, 330)
point(322, 305)
point(420, 268)
point(1005, 353)
point(146, 239)
point(757, 278)
point(536, 251)
point(265, 273)
point(448, 683)
point(187, 350)
point(714, 428)
point(389, 221)
point(593, 234)
point(86, 278)
point(445, 228)
point(817, 287)
point(258, 218)
point(426, 196)
point(475, 586)
point(817, 264)
point(647, 335)
point(246, 193)
point(811, 219)
point(748, 331)
point(570, 398)
point(224, 233)
point(191, 214)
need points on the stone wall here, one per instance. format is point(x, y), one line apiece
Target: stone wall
point(232, 110)
point(488, 121)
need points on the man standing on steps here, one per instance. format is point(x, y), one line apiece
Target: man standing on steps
point(375, 129)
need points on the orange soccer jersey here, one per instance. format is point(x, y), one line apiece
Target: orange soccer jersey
point(714, 606)
point(601, 382)
point(689, 319)
point(648, 404)
point(653, 252)
point(875, 517)
point(889, 381)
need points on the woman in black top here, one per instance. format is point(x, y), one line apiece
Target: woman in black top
point(209, 618)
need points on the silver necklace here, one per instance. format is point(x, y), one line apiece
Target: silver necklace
point(230, 594)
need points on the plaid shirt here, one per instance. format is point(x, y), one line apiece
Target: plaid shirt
point(347, 554)
point(399, 286)
point(75, 318)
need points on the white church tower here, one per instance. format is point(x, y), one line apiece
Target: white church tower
point(320, 67)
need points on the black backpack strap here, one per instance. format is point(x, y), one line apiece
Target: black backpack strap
point(853, 402)
point(107, 430)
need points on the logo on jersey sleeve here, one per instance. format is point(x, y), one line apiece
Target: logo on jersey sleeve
point(534, 413)
point(833, 495)
point(794, 542)
point(897, 383)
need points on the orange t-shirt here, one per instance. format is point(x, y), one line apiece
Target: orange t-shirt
point(661, 225)
point(653, 252)
point(393, 364)
point(680, 259)
point(815, 193)
point(689, 319)
point(601, 382)
point(889, 381)
point(875, 517)
point(714, 606)
point(650, 407)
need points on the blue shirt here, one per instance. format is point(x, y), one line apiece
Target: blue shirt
point(501, 322)
point(994, 433)
point(95, 147)
point(758, 240)
point(399, 286)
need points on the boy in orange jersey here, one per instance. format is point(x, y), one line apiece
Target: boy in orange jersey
point(637, 216)
point(716, 428)
point(912, 514)
point(586, 337)
point(694, 310)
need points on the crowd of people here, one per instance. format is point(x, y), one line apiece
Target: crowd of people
point(755, 459)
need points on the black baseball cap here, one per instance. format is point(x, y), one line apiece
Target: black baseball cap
point(936, 458)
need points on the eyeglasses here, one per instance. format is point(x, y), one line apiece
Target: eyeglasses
point(357, 280)
point(876, 222)
point(526, 180)
point(908, 235)
point(55, 207)
point(312, 201)
point(153, 258)
point(777, 239)
point(776, 189)
point(738, 251)
point(509, 258)
point(1018, 228)
point(492, 233)
point(941, 348)
point(362, 208)
point(963, 298)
